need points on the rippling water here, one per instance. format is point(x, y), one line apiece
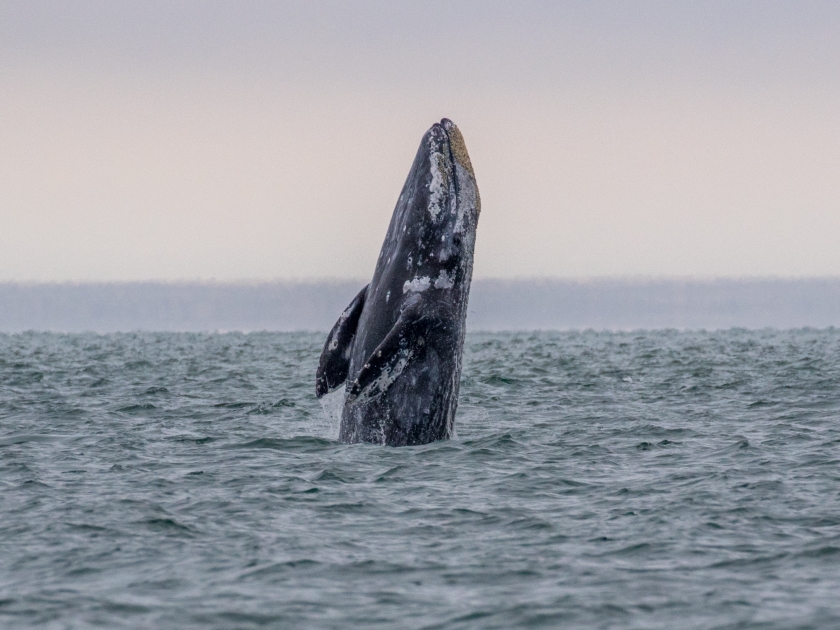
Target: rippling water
point(599, 480)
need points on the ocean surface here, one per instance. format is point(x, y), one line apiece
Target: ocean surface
point(599, 480)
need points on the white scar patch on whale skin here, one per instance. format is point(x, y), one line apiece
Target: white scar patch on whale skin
point(385, 379)
point(438, 186)
point(468, 200)
point(444, 281)
point(417, 285)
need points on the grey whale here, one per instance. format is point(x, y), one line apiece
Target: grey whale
point(397, 348)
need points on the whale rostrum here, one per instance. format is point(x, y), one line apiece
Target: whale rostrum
point(397, 348)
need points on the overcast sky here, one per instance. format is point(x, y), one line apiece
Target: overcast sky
point(258, 140)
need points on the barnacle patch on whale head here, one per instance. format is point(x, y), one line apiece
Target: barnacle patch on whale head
point(459, 148)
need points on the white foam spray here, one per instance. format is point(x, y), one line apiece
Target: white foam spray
point(332, 404)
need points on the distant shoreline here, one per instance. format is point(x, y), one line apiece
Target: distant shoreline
point(495, 304)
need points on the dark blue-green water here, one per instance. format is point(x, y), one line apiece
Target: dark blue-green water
point(599, 480)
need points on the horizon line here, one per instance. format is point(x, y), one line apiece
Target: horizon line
point(630, 279)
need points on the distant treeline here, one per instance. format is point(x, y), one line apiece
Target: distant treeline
point(494, 305)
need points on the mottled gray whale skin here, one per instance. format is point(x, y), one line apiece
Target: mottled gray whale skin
point(397, 347)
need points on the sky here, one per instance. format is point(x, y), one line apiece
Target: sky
point(207, 140)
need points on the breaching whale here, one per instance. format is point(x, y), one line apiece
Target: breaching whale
point(397, 347)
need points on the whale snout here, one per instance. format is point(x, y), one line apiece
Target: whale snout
point(440, 133)
point(438, 139)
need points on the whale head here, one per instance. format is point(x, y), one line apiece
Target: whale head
point(434, 233)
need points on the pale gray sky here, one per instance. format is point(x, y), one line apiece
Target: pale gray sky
point(257, 140)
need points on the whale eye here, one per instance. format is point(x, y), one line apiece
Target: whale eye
point(456, 239)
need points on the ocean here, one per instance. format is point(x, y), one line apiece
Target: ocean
point(657, 479)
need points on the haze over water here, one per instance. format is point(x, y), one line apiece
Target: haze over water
point(600, 480)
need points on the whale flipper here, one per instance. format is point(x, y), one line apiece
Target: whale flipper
point(335, 359)
point(401, 345)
